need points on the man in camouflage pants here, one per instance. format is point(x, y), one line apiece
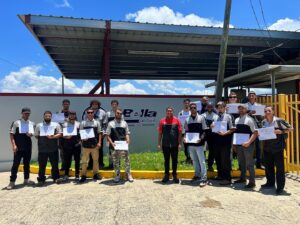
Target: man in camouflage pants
point(118, 133)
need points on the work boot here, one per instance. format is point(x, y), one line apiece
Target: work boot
point(175, 179)
point(165, 179)
point(10, 186)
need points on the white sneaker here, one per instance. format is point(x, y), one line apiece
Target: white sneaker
point(117, 179)
point(203, 183)
point(10, 186)
point(130, 178)
point(28, 182)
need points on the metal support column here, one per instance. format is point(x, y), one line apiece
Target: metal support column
point(106, 58)
point(273, 86)
point(62, 84)
point(223, 52)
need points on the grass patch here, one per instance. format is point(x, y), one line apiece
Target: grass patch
point(152, 161)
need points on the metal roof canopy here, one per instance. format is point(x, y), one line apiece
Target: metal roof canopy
point(153, 51)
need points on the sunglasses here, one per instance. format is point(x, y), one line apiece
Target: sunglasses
point(193, 107)
point(90, 112)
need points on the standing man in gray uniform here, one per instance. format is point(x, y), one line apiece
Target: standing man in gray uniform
point(21, 132)
point(117, 130)
point(245, 125)
point(48, 147)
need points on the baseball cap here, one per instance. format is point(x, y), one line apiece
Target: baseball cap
point(26, 109)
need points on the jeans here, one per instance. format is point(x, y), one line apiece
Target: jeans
point(198, 157)
point(43, 159)
point(26, 155)
point(173, 153)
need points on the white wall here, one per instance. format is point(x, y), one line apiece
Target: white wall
point(143, 133)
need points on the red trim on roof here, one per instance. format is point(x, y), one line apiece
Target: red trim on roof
point(100, 96)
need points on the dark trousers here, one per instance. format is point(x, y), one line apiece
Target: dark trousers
point(61, 153)
point(211, 151)
point(68, 153)
point(186, 151)
point(257, 153)
point(173, 153)
point(100, 159)
point(26, 155)
point(271, 160)
point(43, 159)
point(223, 160)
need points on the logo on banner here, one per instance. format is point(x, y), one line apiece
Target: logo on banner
point(144, 117)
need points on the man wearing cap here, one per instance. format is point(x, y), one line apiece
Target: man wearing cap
point(184, 113)
point(21, 132)
point(99, 115)
point(222, 142)
point(210, 116)
point(196, 124)
point(245, 126)
point(47, 134)
point(258, 120)
point(91, 145)
point(71, 144)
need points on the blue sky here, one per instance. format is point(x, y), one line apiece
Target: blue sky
point(21, 56)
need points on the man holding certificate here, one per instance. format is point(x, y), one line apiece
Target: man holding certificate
point(169, 140)
point(243, 141)
point(273, 145)
point(118, 137)
point(21, 132)
point(91, 135)
point(47, 134)
point(195, 127)
point(222, 128)
point(71, 144)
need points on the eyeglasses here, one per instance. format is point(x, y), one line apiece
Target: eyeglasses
point(90, 112)
point(232, 96)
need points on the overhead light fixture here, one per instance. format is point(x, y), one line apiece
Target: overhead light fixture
point(159, 53)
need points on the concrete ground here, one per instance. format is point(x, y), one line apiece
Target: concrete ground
point(146, 202)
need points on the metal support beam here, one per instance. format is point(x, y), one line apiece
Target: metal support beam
point(97, 86)
point(273, 86)
point(106, 57)
point(62, 84)
point(223, 51)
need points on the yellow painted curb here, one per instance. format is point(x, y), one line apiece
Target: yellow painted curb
point(142, 174)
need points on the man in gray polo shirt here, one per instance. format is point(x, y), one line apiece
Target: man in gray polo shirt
point(47, 134)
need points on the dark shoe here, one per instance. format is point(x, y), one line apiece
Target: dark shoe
point(267, 186)
point(211, 169)
point(175, 179)
point(225, 182)
point(250, 185)
point(240, 181)
point(76, 177)
point(195, 178)
point(40, 184)
point(279, 191)
point(97, 177)
point(83, 179)
point(165, 179)
point(58, 181)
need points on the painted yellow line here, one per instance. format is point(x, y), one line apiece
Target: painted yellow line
point(142, 174)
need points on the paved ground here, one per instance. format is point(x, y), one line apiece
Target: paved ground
point(146, 202)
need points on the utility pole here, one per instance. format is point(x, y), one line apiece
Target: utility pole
point(223, 52)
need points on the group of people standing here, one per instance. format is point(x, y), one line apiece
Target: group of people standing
point(173, 131)
point(88, 149)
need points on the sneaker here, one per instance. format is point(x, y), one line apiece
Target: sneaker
point(175, 179)
point(28, 182)
point(97, 177)
point(65, 178)
point(165, 179)
point(225, 182)
point(279, 191)
point(130, 178)
point(117, 179)
point(40, 183)
point(240, 181)
point(58, 180)
point(267, 186)
point(83, 179)
point(77, 177)
point(203, 183)
point(10, 186)
point(250, 185)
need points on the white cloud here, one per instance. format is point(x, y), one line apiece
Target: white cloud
point(29, 80)
point(64, 4)
point(127, 88)
point(286, 24)
point(165, 15)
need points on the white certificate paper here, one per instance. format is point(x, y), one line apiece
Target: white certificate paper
point(191, 137)
point(259, 109)
point(220, 126)
point(266, 133)
point(239, 139)
point(70, 131)
point(58, 117)
point(87, 133)
point(232, 108)
point(46, 130)
point(183, 118)
point(25, 128)
point(121, 145)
